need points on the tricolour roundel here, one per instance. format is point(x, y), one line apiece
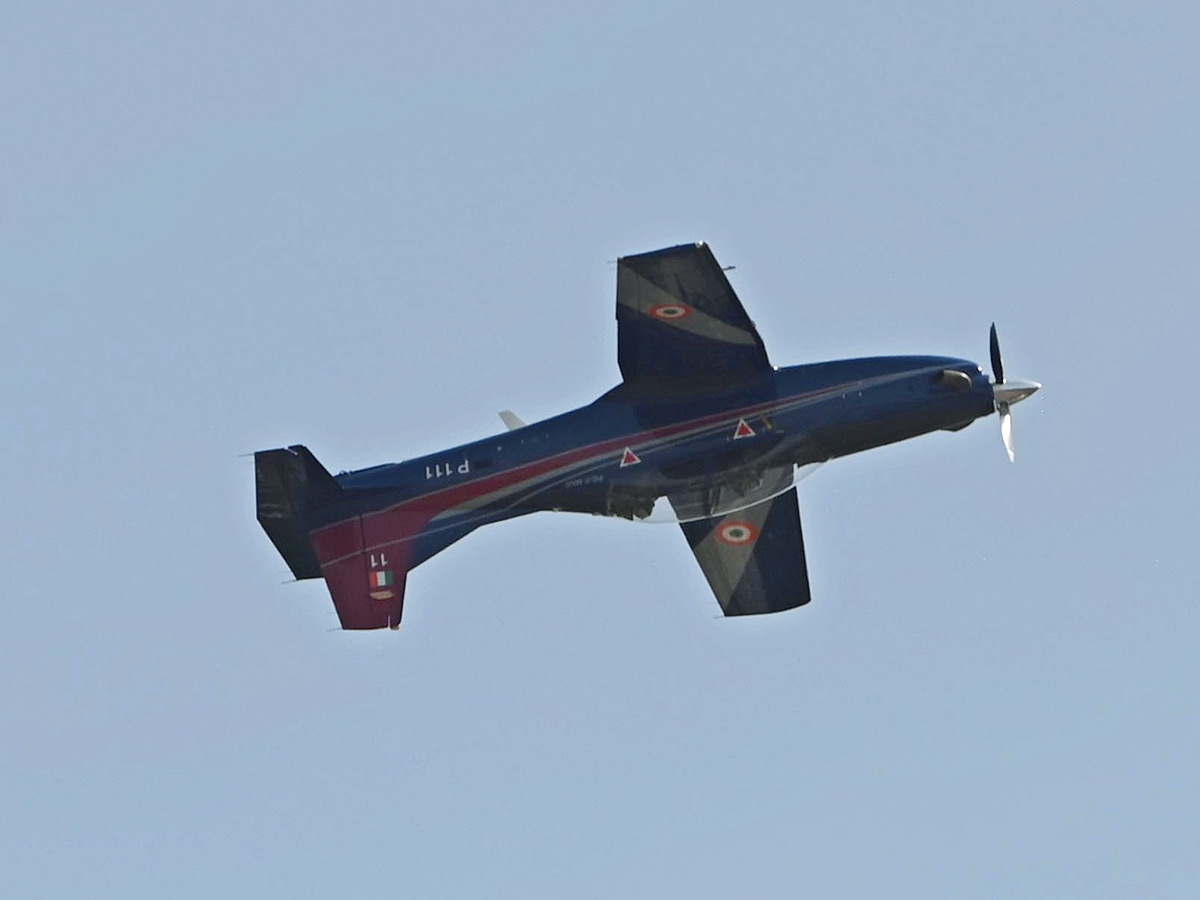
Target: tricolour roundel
point(737, 533)
point(669, 312)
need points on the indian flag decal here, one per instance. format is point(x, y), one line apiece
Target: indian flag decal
point(382, 579)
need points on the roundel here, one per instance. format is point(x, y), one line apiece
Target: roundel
point(669, 312)
point(737, 533)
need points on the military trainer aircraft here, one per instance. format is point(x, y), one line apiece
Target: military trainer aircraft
point(702, 430)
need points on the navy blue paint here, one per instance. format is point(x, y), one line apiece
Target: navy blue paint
point(689, 379)
point(848, 421)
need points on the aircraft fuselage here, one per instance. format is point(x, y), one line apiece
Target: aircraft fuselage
point(617, 454)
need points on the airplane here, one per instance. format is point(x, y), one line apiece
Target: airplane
point(702, 430)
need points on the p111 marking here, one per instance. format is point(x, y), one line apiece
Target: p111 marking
point(438, 470)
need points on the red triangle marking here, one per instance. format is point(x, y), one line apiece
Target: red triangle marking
point(629, 458)
point(743, 430)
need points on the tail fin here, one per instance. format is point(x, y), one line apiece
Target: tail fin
point(294, 494)
point(290, 485)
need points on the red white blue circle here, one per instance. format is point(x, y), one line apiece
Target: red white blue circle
point(669, 312)
point(737, 532)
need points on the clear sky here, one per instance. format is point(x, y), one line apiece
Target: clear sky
point(367, 228)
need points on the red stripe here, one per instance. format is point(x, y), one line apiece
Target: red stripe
point(470, 489)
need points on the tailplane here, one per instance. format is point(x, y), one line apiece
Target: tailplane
point(291, 484)
point(318, 529)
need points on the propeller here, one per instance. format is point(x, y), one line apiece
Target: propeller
point(997, 361)
point(1006, 393)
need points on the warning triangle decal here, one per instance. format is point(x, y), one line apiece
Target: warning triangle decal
point(743, 430)
point(629, 458)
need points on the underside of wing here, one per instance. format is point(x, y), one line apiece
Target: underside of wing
point(754, 558)
point(678, 317)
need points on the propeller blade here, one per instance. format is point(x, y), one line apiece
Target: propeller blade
point(997, 362)
point(1006, 433)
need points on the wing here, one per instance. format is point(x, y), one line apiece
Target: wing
point(754, 558)
point(677, 316)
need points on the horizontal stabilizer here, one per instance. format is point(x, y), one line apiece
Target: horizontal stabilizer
point(290, 483)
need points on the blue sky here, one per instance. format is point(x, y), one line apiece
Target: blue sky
point(369, 228)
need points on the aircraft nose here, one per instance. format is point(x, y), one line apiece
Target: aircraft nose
point(1014, 390)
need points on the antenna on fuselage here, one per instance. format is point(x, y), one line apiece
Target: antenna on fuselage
point(511, 420)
